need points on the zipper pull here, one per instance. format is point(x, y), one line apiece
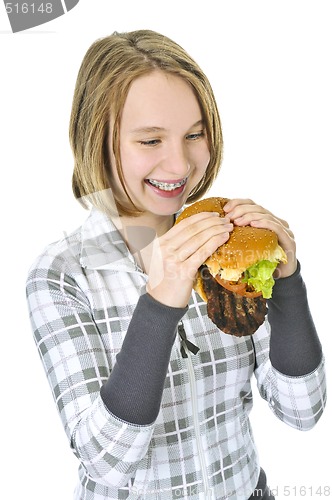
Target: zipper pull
point(185, 342)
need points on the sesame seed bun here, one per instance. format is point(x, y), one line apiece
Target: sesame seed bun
point(245, 247)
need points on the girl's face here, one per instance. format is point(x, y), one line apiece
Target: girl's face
point(163, 146)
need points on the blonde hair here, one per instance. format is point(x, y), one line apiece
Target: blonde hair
point(109, 67)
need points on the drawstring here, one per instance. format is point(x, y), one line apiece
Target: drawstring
point(185, 342)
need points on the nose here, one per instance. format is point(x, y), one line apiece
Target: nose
point(177, 162)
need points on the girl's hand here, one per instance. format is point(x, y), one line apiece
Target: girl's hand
point(244, 212)
point(177, 255)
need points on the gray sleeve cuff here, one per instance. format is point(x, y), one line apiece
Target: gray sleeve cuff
point(134, 389)
point(295, 348)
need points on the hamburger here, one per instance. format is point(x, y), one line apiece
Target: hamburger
point(237, 278)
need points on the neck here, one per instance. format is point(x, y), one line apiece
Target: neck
point(140, 232)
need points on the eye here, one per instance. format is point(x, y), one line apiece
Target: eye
point(150, 142)
point(195, 136)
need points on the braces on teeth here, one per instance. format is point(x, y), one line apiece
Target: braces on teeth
point(165, 186)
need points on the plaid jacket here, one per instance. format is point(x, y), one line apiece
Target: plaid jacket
point(82, 292)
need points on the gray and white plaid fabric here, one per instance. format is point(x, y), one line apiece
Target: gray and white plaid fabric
point(82, 292)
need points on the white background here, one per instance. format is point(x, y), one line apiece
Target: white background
point(269, 63)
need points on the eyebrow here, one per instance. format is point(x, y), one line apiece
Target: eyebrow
point(147, 130)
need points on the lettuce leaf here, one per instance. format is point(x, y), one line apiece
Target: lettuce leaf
point(260, 277)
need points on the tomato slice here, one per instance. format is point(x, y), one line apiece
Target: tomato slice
point(237, 287)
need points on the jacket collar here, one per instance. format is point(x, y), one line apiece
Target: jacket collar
point(102, 246)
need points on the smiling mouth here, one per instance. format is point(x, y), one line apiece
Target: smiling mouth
point(167, 186)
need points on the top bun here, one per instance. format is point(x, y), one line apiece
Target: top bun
point(245, 246)
point(213, 204)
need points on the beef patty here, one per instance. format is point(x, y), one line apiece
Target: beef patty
point(230, 312)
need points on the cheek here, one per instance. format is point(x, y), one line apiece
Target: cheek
point(134, 167)
point(129, 163)
point(207, 158)
point(200, 163)
point(137, 165)
point(203, 158)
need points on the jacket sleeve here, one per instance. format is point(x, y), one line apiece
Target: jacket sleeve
point(76, 365)
point(290, 368)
